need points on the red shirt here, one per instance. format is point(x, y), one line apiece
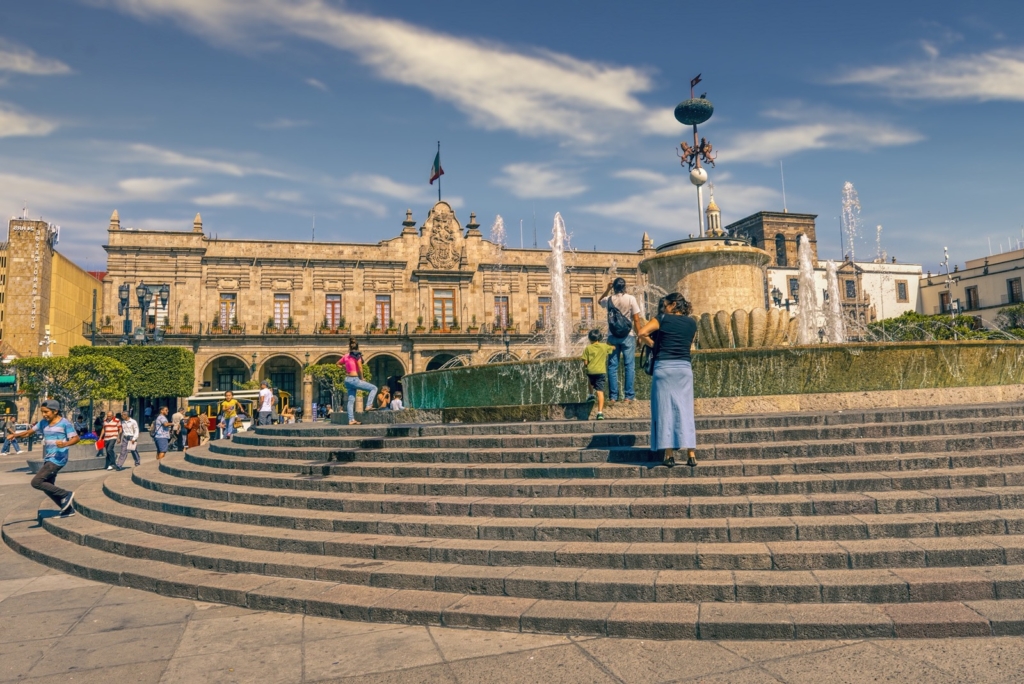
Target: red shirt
point(111, 428)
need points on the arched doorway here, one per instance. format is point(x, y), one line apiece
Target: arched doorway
point(439, 360)
point(285, 376)
point(502, 357)
point(384, 366)
point(225, 373)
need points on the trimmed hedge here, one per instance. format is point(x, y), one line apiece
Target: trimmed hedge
point(158, 371)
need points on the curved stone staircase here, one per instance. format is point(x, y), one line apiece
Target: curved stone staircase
point(906, 523)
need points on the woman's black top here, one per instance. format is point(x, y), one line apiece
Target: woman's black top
point(676, 335)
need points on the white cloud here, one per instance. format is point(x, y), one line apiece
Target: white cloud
point(319, 85)
point(292, 196)
point(531, 181)
point(641, 176)
point(222, 199)
point(153, 188)
point(370, 206)
point(671, 203)
point(19, 59)
point(283, 124)
point(531, 92)
point(382, 185)
point(157, 155)
point(813, 130)
point(994, 75)
point(46, 195)
point(14, 122)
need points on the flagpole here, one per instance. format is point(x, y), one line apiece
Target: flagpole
point(439, 166)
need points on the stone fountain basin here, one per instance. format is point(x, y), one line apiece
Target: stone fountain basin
point(830, 369)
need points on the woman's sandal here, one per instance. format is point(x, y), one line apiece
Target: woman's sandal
point(669, 459)
point(354, 422)
point(691, 460)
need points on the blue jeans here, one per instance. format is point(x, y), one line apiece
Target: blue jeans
point(354, 384)
point(8, 443)
point(627, 347)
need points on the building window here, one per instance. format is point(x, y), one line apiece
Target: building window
point(902, 293)
point(1013, 290)
point(971, 294)
point(543, 312)
point(230, 379)
point(444, 308)
point(780, 250)
point(851, 289)
point(228, 309)
point(382, 311)
point(753, 242)
point(944, 302)
point(587, 310)
point(501, 312)
point(794, 288)
point(283, 382)
point(282, 310)
point(332, 310)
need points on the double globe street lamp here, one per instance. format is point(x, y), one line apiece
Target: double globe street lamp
point(145, 295)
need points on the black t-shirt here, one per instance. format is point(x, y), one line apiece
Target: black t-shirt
point(676, 337)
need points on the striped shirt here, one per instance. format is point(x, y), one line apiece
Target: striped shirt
point(111, 428)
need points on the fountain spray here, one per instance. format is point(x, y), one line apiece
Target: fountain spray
point(807, 330)
point(851, 215)
point(835, 325)
point(559, 308)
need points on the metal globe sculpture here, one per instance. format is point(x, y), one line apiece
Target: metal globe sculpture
point(694, 111)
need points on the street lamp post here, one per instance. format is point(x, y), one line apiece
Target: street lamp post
point(506, 340)
point(144, 294)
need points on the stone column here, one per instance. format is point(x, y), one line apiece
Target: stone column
point(307, 397)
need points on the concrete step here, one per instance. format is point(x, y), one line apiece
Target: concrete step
point(846, 495)
point(707, 619)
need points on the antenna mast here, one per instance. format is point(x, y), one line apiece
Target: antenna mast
point(785, 210)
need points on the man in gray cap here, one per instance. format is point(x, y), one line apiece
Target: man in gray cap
point(58, 434)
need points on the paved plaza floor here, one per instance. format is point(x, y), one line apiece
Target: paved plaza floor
point(59, 628)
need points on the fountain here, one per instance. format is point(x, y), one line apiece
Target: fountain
point(807, 328)
point(835, 325)
point(559, 305)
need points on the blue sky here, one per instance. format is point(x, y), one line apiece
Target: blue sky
point(262, 113)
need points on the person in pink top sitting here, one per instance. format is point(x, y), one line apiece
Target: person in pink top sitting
point(353, 365)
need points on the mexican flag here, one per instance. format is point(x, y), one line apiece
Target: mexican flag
point(435, 169)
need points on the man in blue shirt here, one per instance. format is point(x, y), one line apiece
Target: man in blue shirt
point(58, 434)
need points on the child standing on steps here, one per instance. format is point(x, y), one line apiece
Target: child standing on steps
point(595, 357)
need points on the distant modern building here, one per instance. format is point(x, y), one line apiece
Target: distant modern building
point(44, 299)
point(982, 288)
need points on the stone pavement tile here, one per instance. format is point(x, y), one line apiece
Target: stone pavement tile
point(567, 617)
point(31, 625)
point(659, 661)
point(120, 595)
point(745, 621)
point(946, 584)
point(107, 649)
point(361, 654)
point(8, 587)
point(758, 651)
point(921, 620)
point(853, 664)
point(243, 632)
point(159, 611)
point(459, 644)
point(969, 660)
point(1006, 617)
point(46, 601)
point(843, 621)
point(18, 657)
point(13, 566)
point(267, 664)
point(748, 675)
point(133, 673)
point(556, 665)
point(216, 611)
point(428, 674)
point(653, 621)
point(57, 581)
point(316, 628)
point(413, 607)
point(487, 612)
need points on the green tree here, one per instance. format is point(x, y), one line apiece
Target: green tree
point(153, 371)
point(332, 377)
point(1011, 318)
point(72, 380)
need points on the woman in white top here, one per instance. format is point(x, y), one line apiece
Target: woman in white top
point(130, 443)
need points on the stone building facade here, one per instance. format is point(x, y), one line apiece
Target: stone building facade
point(437, 292)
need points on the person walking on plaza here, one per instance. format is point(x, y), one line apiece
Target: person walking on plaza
point(130, 441)
point(177, 434)
point(111, 433)
point(97, 423)
point(266, 404)
point(670, 334)
point(161, 433)
point(228, 410)
point(192, 424)
point(147, 415)
point(353, 365)
point(9, 439)
point(58, 434)
point(595, 358)
point(623, 317)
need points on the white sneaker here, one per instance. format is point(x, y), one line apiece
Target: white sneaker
point(110, 467)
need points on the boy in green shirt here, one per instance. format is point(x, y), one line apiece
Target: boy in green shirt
point(595, 358)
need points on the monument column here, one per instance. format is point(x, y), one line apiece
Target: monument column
point(307, 396)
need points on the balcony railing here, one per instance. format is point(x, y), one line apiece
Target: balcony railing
point(274, 330)
point(216, 328)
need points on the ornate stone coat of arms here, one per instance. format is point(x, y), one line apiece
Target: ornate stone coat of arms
point(445, 234)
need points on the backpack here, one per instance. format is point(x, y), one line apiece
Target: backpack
point(152, 429)
point(618, 325)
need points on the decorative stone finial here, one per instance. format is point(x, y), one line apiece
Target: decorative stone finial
point(408, 225)
point(473, 228)
point(115, 221)
point(646, 242)
point(197, 224)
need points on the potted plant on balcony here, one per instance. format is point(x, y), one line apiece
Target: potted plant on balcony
point(271, 325)
point(455, 324)
point(186, 327)
point(342, 327)
point(419, 325)
point(509, 325)
point(473, 327)
point(290, 326)
point(235, 327)
point(215, 327)
point(375, 325)
point(436, 326)
point(392, 327)
point(107, 328)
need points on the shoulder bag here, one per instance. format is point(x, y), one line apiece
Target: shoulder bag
point(648, 355)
